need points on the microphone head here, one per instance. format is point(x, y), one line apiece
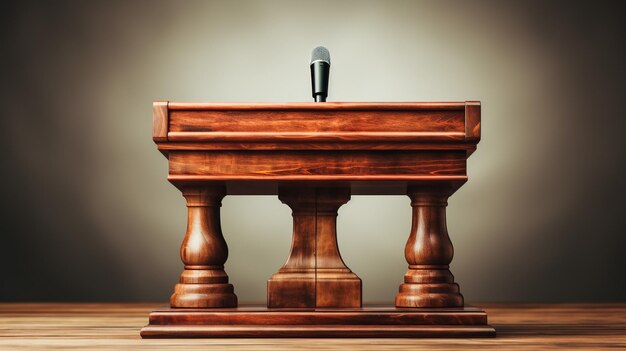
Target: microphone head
point(320, 53)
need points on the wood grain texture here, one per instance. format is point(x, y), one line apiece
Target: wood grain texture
point(429, 251)
point(336, 285)
point(325, 322)
point(368, 315)
point(203, 283)
point(313, 145)
point(318, 120)
point(296, 131)
point(160, 121)
point(314, 274)
point(312, 106)
point(301, 137)
point(328, 125)
point(208, 146)
point(80, 326)
point(294, 283)
point(472, 121)
point(230, 165)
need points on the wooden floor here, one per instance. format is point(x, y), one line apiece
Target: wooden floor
point(116, 326)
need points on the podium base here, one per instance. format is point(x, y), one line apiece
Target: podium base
point(366, 322)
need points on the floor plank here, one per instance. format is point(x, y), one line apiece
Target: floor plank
point(59, 326)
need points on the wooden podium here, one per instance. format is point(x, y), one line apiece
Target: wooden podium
point(314, 156)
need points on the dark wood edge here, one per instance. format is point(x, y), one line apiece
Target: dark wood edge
point(366, 308)
point(334, 331)
point(395, 177)
point(350, 106)
point(472, 121)
point(314, 136)
point(160, 120)
point(354, 145)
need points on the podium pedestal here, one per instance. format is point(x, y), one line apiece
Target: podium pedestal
point(366, 322)
point(314, 275)
point(315, 156)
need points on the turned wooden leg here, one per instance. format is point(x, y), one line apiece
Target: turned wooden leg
point(314, 274)
point(203, 283)
point(429, 251)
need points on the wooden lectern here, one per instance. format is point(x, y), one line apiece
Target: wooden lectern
point(314, 156)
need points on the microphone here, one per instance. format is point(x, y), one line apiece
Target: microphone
point(320, 70)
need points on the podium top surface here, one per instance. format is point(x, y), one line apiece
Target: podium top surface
point(316, 105)
point(374, 148)
point(310, 123)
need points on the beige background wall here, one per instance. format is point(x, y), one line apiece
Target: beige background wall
point(88, 215)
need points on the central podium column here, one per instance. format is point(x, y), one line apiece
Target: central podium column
point(314, 274)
